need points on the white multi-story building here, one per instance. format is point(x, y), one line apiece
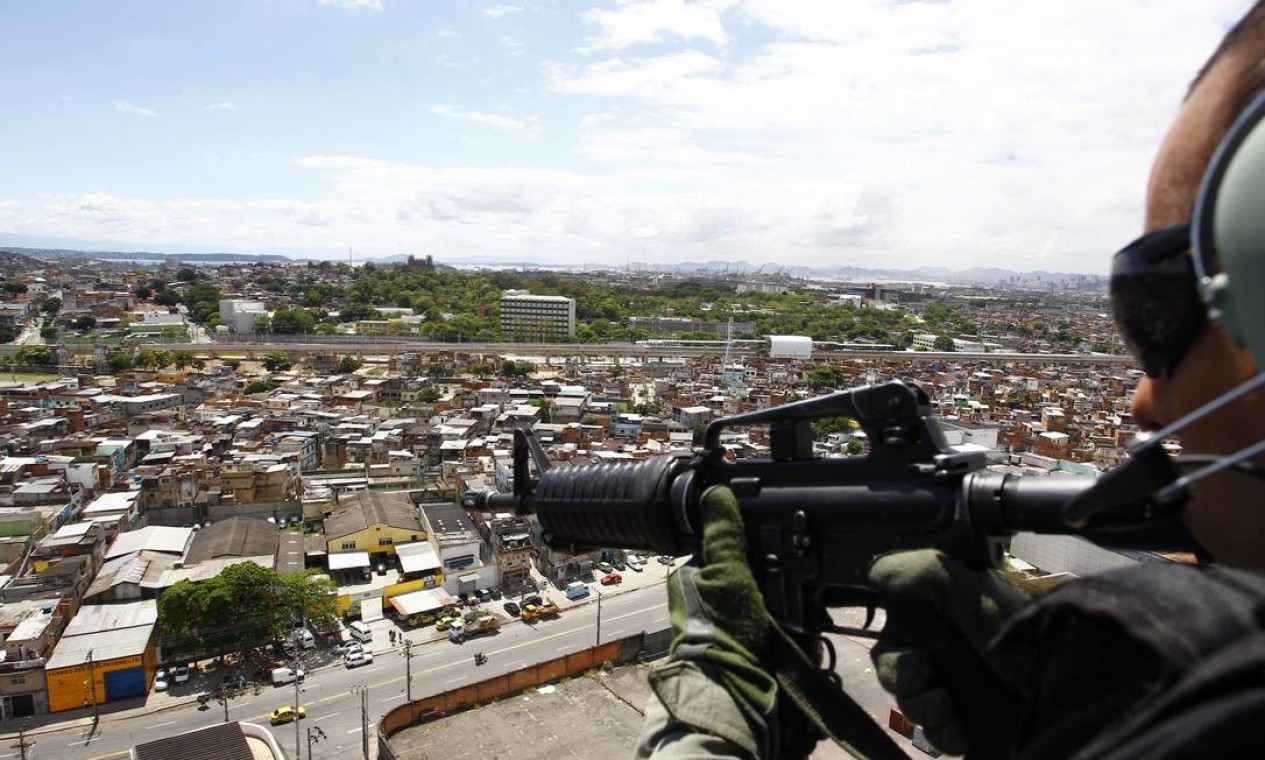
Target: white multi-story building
point(536, 319)
point(239, 314)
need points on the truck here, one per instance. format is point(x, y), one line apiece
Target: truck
point(459, 632)
point(533, 612)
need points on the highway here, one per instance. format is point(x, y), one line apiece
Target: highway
point(327, 694)
point(609, 351)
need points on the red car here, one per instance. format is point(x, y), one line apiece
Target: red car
point(610, 579)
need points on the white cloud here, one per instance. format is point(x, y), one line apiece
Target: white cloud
point(980, 131)
point(134, 110)
point(497, 11)
point(447, 33)
point(452, 112)
point(226, 105)
point(373, 5)
point(593, 119)
point(511, 45)
point(654, 21)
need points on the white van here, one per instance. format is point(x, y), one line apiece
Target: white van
point(283, 676)
point(360, 631)
point(304, 638)
point(577, 590)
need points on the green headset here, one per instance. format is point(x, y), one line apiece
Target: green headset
point(1229, 226)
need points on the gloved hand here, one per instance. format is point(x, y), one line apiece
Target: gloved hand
point(720, 625)
point(933, 653)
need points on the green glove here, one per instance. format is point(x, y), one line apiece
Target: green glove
point(719, 621)
point(933, 654)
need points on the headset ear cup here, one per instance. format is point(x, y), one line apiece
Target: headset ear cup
point(1230, 231)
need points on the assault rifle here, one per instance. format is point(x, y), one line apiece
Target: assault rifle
point(815, 524)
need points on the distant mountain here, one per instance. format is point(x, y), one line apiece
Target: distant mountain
point(14, 261)
point(60, 254)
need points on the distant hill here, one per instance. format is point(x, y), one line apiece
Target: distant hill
point(11, 260)
point(62, 254)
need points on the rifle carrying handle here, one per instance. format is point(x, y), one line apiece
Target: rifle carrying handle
point(987, 707)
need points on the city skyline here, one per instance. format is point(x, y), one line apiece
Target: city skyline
point(955, 134)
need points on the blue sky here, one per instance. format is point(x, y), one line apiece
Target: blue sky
point(958, 133)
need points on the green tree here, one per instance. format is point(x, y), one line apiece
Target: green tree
point(14, 287)
point(166, 298)
point(428, 394)
point(348, 365)
point(187, 274)
point(292, 321)
point(943, 343)
point(855, 447)
point(259, 386)
point(827, 376)
point(84, 322)
point(48, 331)
point(41, 356)
point(142, 292)
point(277, 363)
point(183, 359)
point(51, 305)
point(232, 364)
point(119, 362)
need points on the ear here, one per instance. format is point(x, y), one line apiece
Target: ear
point(1229, 229)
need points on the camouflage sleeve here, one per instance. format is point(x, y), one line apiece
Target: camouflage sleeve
point(690, 716)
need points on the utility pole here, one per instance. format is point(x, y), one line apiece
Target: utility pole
point(23, 744)
point(298, 735)
point(408, 670)
point(598, 642)
point(92, 684)
point(310, 741)
point(363, 691)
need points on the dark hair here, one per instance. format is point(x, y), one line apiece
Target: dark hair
point(1250, 30)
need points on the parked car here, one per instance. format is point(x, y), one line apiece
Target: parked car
point(512, 609)
point(234, 683)
point(636, 563)
point(356, 659)
point(347, 647)
point(161, 680)
point(286, 714)
point(484, 595)
point(666, 559)
point(496, 593)
point(619, 565)
point(534, 599)
point(445, 622)
point(611, 579)
point(180, 674)
point(605, 567)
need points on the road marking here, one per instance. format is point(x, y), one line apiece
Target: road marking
point(324, 717)
point(355, 730)
point(160, 725)
point(458, 678)
point(517, 664)
point(392, 699)
point(234, 707)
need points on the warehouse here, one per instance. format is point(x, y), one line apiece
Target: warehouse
point(107, 653)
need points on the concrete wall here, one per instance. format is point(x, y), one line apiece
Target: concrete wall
point(637, 647)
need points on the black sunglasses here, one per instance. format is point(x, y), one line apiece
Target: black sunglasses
point(1154, 299)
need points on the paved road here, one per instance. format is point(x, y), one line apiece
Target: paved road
point(328, 697)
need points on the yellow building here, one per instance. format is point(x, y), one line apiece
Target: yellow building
point(108, 652)
point(372, 522)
